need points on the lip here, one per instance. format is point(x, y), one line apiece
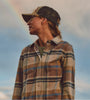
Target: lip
point(30, 26)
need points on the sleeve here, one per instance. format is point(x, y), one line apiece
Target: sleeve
point(68, 75)
point(19, 81)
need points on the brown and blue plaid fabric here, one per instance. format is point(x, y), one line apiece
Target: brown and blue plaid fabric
point(46, 77)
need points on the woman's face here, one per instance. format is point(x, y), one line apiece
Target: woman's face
point(34, 25)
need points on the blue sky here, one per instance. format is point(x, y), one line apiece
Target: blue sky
point(14, 36)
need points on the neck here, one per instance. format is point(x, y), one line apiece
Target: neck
point(44, 36)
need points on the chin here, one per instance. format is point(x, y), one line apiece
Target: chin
point(33, 33)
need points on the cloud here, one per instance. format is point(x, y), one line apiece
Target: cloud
point(6, 92)
point(9, 19)
point(7, 88)
point(82, 86)
point(3, 96)
point(7, 85)
point(75, 18)
point(11, 26)
point(74, 13)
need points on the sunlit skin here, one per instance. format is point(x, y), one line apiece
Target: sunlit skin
point(39, 26)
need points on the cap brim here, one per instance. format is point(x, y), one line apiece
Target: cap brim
point(27, 17)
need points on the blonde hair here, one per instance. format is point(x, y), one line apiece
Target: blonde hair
point(54, 29)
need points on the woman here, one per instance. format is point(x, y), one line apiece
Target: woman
point(47, 67)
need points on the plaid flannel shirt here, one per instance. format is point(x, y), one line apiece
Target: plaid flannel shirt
point(50, 77)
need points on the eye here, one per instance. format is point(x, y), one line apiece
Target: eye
point(30, 20)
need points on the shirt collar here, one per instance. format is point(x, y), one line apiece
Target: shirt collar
point(56, 39)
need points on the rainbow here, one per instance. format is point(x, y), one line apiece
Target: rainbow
point(13, 9)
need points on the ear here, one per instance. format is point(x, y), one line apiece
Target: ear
point(44, 21)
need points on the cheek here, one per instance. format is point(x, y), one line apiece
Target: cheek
point(37, 25)
point(37, 22)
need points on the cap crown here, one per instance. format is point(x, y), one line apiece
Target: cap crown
point(49, 13)
point(46, 12)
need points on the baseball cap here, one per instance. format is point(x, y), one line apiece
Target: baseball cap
point(46, 12)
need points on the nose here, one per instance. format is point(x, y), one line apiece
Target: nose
point(28, 23)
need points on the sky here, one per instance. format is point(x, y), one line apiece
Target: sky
point(14, 36)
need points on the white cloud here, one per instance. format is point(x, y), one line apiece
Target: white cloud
point(82, 86)
point(6, 88)
point(3, 96)
point(8, 17)
point(72, 12)
point(6, 92)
